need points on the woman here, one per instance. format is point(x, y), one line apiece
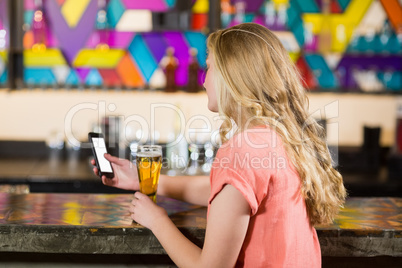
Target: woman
point(270, 183)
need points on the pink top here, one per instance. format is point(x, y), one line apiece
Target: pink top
point(279, 233)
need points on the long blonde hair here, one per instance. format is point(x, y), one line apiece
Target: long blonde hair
point(253, 70)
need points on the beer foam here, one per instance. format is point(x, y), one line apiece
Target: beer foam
point(149, 154)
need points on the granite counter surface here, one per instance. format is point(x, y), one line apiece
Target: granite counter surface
point(100, 224)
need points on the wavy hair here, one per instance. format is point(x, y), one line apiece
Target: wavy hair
point(253, 70)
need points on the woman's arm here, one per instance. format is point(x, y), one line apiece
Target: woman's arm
point(227, 225)
point(191, 189)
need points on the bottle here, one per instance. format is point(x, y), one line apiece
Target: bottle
point(193, 68)
point(170, 70)
point(208, 158)
point(325, 36)
point(398, 138)
point(385, 36)
point(194, 167)
point(270, 15)
point(177, 147)
point(101, 26)
point(353, 47)
point(282, 17)
point(226, 13)
point(39, 27)
point(240, 10)
point(310, 41)
point(101, 16)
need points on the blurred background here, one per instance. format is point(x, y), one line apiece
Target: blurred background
point(134, 71)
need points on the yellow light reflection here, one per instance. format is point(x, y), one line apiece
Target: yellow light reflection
point(72, 214)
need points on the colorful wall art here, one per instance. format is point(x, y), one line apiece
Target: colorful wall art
point(338, 45)
point(108, 44)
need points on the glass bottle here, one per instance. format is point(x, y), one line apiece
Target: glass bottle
point(170, 70)
point(194, 167)
point(240, 10)
point(282, 17)
point(208, 158)
point(325, 36)
point(101, 25)
point(398, 138)
point(226, 13)
point(270, 15)
point(177, 146)
point(193, 68)
point(39, 27)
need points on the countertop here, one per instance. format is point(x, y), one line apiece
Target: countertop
point(100, 224)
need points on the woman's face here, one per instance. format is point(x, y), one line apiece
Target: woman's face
point(209, 85)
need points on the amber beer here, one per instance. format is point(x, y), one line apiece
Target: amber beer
point(149, 163)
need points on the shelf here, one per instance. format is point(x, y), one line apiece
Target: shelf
point(342, 91)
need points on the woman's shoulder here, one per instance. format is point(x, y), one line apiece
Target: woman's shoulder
point(255, 138)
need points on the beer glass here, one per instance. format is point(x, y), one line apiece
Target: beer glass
point(149, 163)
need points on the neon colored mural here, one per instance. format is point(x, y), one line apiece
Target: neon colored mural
point(338, 45)
point(349, 45)
point(105, 43)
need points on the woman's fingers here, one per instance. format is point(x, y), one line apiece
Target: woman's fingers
point(111, 158)
point(131, 209)
point(114, 159)
point(108, 182)
point(139, 195)
point(140, 200)
point(145, 212)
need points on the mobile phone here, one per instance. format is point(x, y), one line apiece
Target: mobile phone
point(98, 146)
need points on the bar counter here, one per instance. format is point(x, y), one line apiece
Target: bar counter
point(100, 224)
point(45, 170)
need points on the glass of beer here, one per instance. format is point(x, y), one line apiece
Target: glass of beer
point(149, 163)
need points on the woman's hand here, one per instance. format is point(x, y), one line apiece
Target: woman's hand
point(125, 174)
point(145, 212)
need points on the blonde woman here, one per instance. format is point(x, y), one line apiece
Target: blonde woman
point(271, 182)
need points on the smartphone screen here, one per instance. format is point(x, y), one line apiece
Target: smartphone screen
point(100, 150)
